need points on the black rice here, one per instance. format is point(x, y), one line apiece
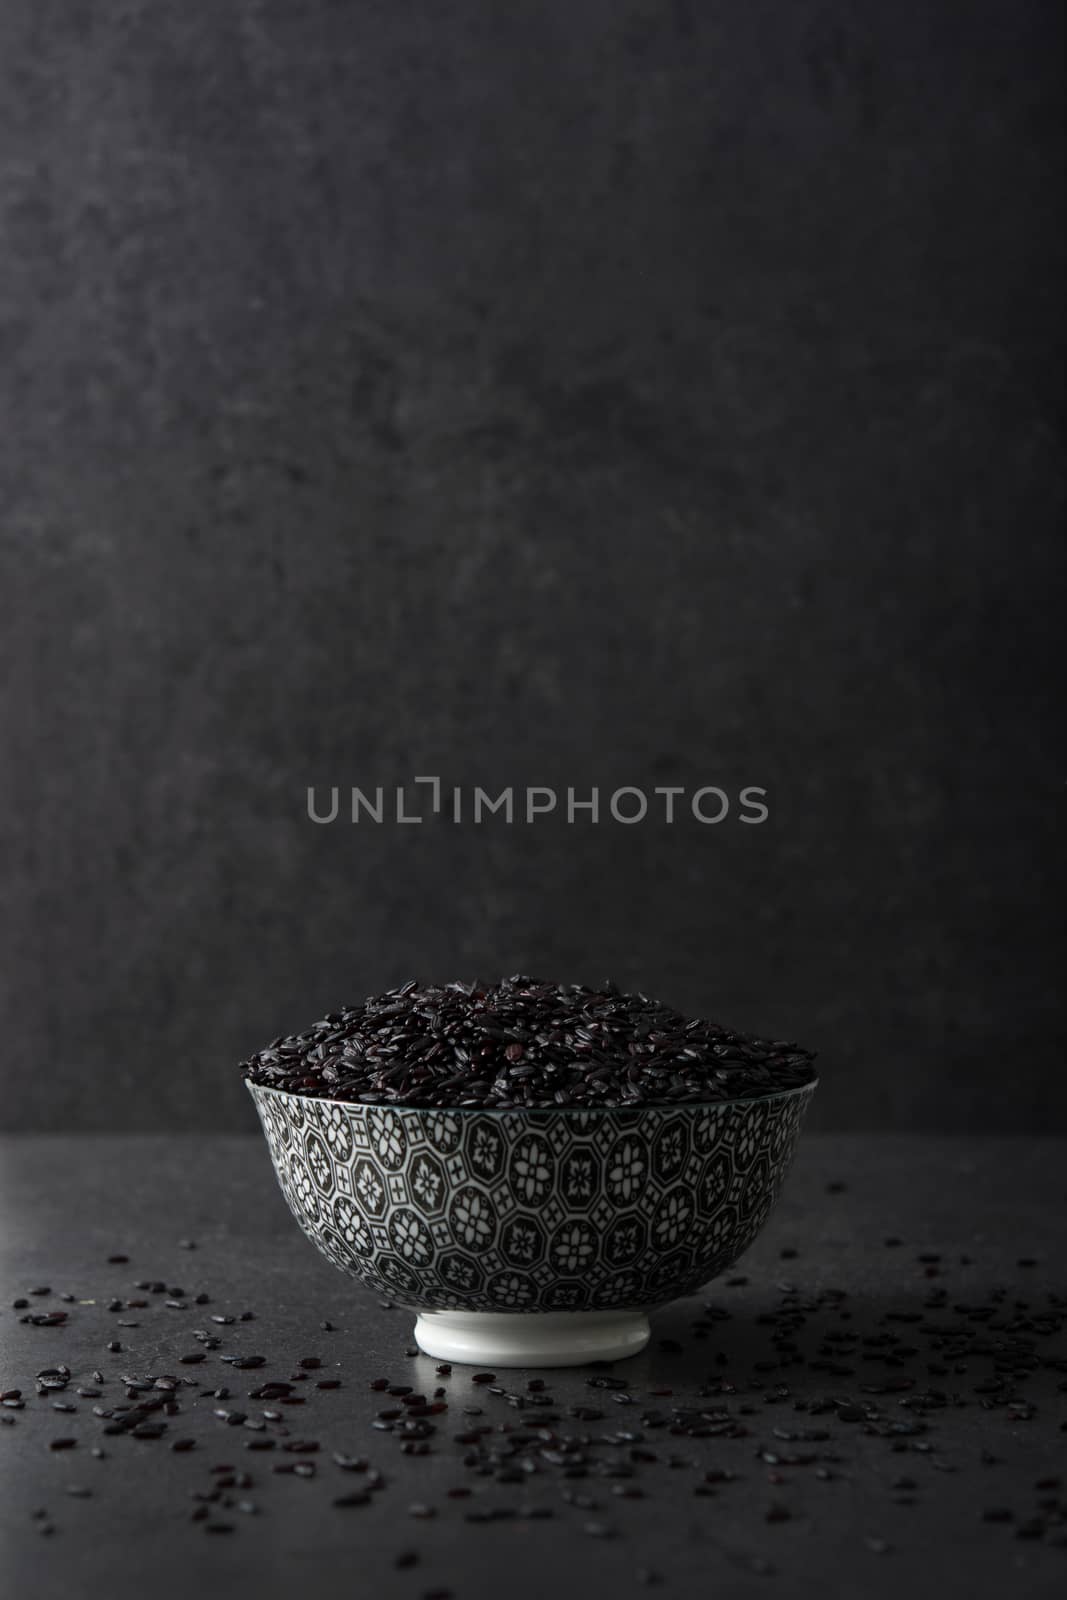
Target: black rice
point(524, 1043)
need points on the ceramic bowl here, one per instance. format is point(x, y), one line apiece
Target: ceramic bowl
point(527, 1237)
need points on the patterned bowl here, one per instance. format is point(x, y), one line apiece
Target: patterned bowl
point(531, 1238)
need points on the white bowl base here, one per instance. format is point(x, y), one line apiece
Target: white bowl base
point(530, 1339)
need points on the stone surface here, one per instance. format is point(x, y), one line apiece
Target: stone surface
point(69, 1203)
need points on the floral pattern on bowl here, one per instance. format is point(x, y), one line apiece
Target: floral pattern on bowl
point(531, 1211)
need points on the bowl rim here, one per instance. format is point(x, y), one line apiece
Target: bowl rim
point(536, 1111)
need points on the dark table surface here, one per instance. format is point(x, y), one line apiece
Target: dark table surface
point(947, 1374)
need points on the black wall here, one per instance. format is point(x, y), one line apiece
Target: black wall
point(588, 393)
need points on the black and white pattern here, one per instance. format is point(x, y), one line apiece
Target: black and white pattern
point(531, 1210)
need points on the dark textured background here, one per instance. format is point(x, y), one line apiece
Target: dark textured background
point(589, 393)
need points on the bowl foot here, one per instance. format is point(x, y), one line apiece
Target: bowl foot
point(531, 1339)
